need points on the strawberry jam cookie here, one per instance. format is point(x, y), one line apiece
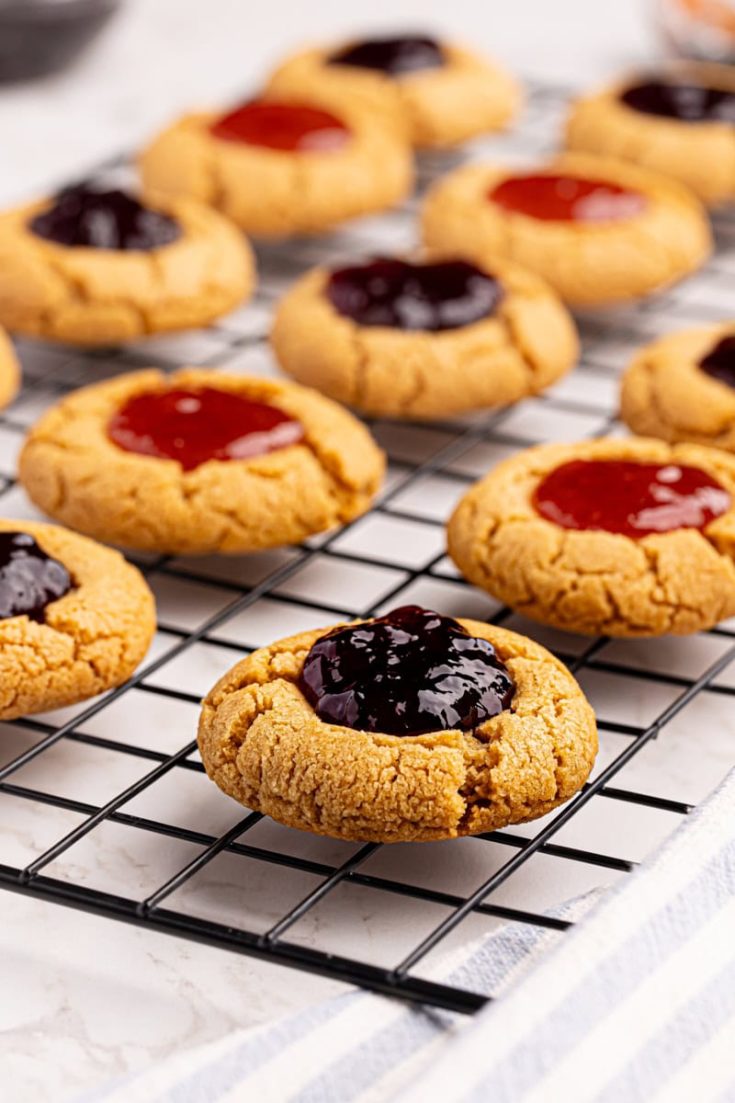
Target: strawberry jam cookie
point(9, 371)
point(682, 388)
point(410, 727)
point(680, 122)
point(75, 618)
point(614, 537)
point(444, 93)
point(278, 168)
point(97, 267)
point(422, 339)
point(199, 462)
point(599, 231)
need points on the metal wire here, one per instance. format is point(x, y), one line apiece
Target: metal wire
point(443, 453)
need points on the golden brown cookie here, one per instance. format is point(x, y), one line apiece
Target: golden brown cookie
point(593, 580)
point(522, 342)
point(444, 93)
point(98, 295)
point(9, 371)
point(697, 147)
point(676, 388)
point(265, 744)
point(321, 467)
point(299, 175)
point(79, 644)
point(633, 232)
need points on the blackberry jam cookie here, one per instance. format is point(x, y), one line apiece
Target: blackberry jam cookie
point(445, 94)
point(423, 339)
point(279, 168)
point(199, 462)
point(9, 371)
point(98, 267)
point(409, 727)
point(613, 537)
point(599, 231)
point(75, 618)
point(680, 122)
point(682, 388)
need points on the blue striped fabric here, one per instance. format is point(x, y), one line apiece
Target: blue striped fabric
point(630, 1000)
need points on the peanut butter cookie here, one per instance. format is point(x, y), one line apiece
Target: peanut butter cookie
point(96, 267)
point(682, 388)
point(424, 340)
point(199, 461)
point(599, 231)
point(679, 121)
point(282, 168)
point(75, 618)
point(445, 94)
point(411, 727)
point(615, 537)
point(9, 371)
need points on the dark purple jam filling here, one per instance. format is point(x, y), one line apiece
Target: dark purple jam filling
point(29, 579)
point(96, 219)
point(689, 103)
point(394, 56)
point(386, 292)
point(720, 361)
point(407, 673)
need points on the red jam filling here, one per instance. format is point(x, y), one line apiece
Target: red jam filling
point(633, 499)
point(554, 198)
point(294, 128)
point(719, 363)
point(193, 426)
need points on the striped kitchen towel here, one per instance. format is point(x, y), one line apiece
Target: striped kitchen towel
point(636, 1003)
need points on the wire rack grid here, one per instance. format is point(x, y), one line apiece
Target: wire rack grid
point(106, 805)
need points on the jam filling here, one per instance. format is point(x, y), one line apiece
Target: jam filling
point(193, 426)
point(395, 293)
point(97, 219)
point(689, 103)
point(407, 673)
point(720, 361)
point(634, 499)
point(29, 579)
point(394, 56)
point(555, 198)
point(294, 128)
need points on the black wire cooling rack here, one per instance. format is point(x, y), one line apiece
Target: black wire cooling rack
point(191, 862)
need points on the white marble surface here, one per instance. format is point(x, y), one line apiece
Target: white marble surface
point(83, 998)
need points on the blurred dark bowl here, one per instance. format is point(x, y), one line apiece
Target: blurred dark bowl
point(38, 37)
